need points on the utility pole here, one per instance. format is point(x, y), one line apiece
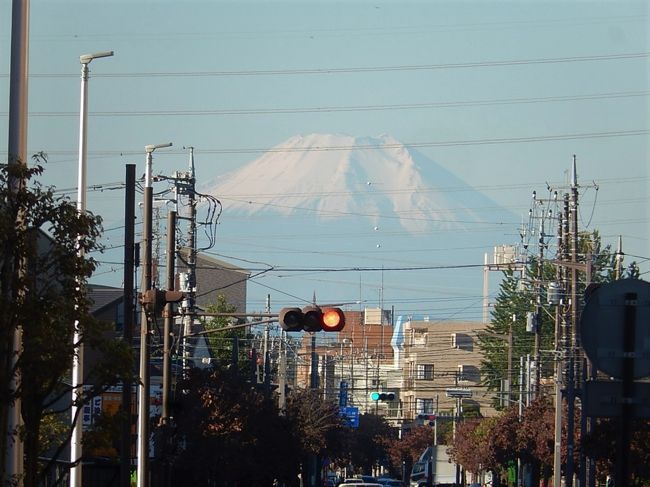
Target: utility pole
point(129, 307)
point(560, 275)
point(542, 211)
point(265, 345)
point(168, 318)
point(619, 258)
point(143, 396)
point(573, 337)
point(185, 185)
point(510, 343)
point(282, 372)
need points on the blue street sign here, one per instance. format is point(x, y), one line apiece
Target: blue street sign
point(350, 415)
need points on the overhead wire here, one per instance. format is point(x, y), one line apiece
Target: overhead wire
point(358, 69)
point(350, 108)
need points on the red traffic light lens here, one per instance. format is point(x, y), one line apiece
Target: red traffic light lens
point(333, 319)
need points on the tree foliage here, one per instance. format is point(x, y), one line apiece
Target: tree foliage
point(368, 443)
point(220, 343)
point(315, 419)
point(224, 420)
point(602, 444)
point(495, 443)
point(520, 295)
point(44, 264)
point(409, 448)
point(229, 431)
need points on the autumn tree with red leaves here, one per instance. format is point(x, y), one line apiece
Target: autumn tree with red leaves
point(410, 447)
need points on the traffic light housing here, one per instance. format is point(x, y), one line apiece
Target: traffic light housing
point(154, 300)
point(382, 396)
point(427, 418)
point(311, 318)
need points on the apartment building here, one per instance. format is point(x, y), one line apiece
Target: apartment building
point(440, 363)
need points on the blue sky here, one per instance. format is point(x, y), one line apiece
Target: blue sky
point(502, 94)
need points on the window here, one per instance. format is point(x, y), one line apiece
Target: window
point(423, 406)
point(424, 372)
point(468, 373)
point(461, 341)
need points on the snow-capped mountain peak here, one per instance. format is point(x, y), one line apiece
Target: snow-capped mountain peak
point(333, 175)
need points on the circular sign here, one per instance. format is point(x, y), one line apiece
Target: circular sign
point(603, 326)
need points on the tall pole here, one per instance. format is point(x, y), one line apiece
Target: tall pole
point(189, 303)
point(282, 373)
point(538, 312)
point(144, 386)
point(12, 446)
point(77, 360)
point(313, 382)
point(168, 318)
point(574, 338)
point(129, 267)
point(560, 272)
point(618, 272)
point(509, 391)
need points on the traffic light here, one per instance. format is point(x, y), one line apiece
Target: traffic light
point(427, 418)
point(311, 318)
point(333, 319)
point(382, 396)
point(154, 300)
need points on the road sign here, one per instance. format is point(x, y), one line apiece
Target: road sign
point(350, 415)
point(457, 392)
point(605, 399)
point(603, 326)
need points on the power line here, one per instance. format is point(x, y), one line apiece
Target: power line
point(358, 69)
point(357, 108)
point(447, 143)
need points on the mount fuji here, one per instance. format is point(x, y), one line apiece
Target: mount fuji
point(336, 175)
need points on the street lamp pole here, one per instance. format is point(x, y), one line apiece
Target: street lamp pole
point(77, 360)
point(144, 386)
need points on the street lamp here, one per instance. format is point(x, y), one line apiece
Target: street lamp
point(144, 386)
point(77, 360)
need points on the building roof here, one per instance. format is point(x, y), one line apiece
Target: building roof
point(103, 296)
point(212, 262)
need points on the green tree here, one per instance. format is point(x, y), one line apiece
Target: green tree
point(520, 295)
point(45, 246)
point(513, 303)
point(221, 342)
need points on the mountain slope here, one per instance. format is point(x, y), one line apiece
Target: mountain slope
point(340, 175)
